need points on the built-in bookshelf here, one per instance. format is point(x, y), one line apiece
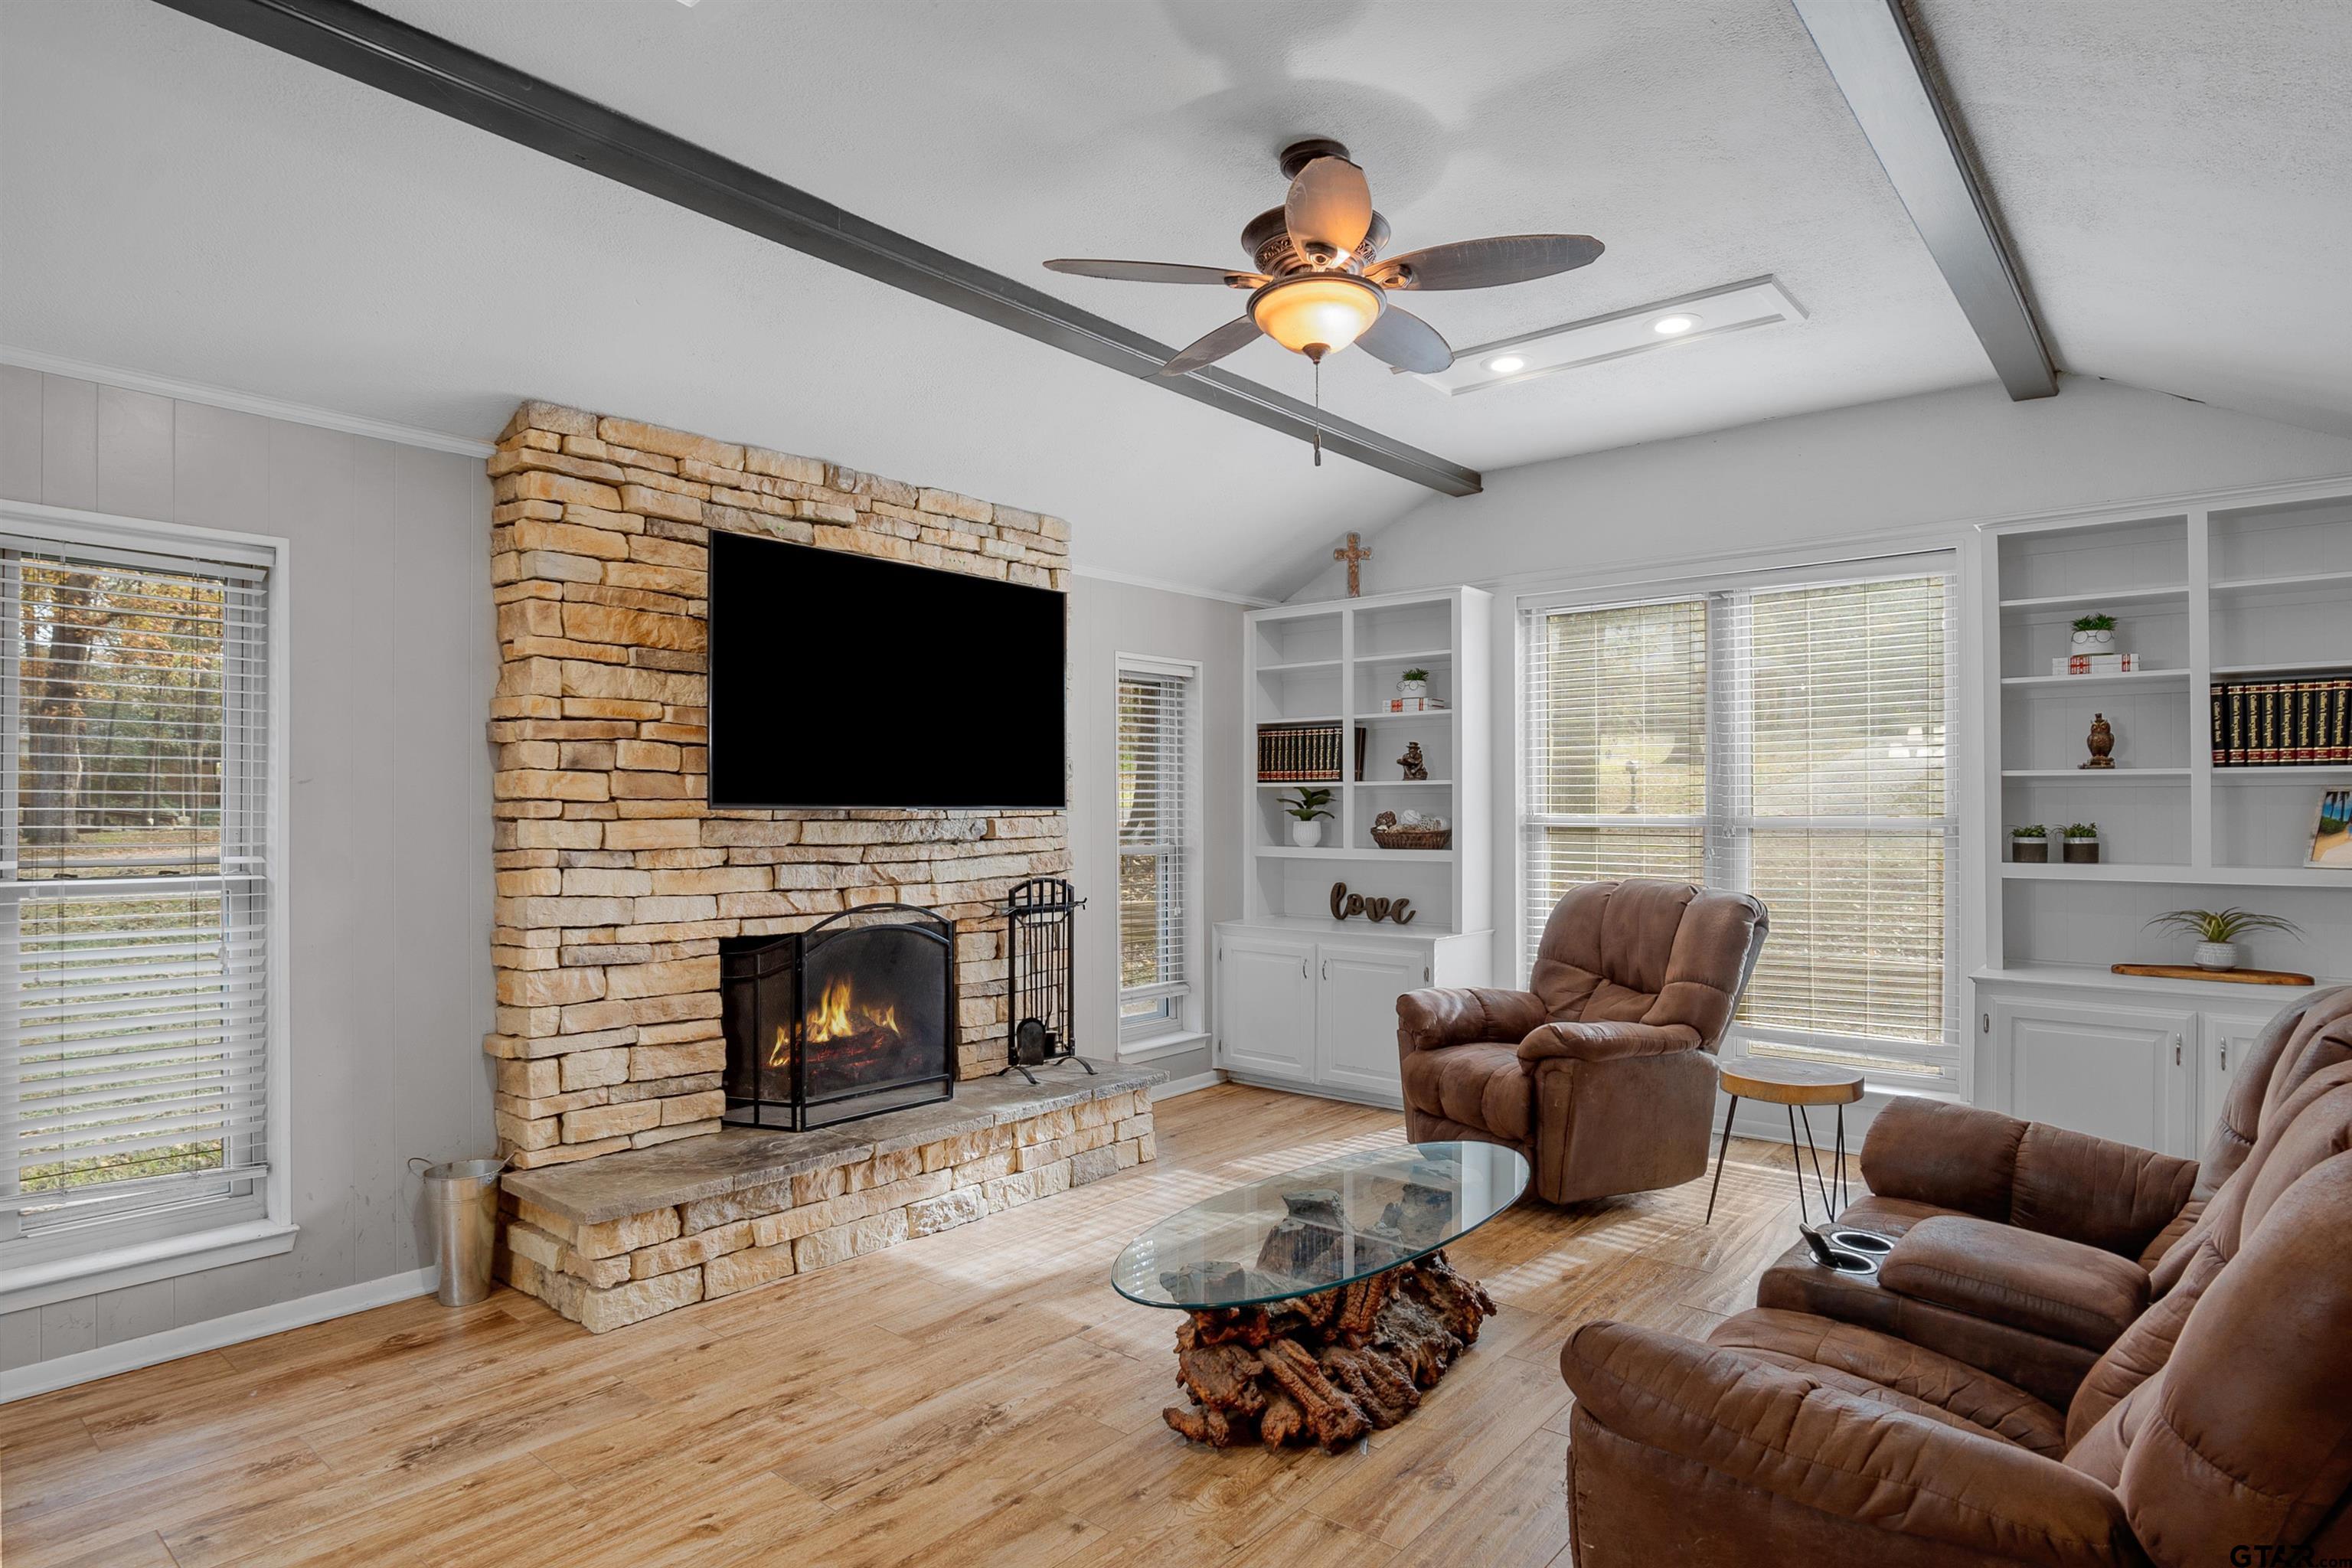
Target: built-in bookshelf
point(2206, 595)
point(1340, 664)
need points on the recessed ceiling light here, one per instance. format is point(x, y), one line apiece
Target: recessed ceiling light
point(1706, 315)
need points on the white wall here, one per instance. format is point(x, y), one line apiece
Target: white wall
point(388, 824)
point(1910, 473)
point(1964, 456)
point(1108, 619)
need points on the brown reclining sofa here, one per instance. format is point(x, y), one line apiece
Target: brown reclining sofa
point(2026, 1249)
point(2215, 1429)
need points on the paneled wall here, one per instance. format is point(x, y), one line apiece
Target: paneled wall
point(388, 855)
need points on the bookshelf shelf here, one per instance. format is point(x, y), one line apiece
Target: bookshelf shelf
point(2099, 597)
point(2233, 586)
point(1345, 659)
point(2087, 774)
point(2247, 590)
point(2266, 773)
point(2122, 678)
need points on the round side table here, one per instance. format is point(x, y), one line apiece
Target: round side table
point(1796, 1085)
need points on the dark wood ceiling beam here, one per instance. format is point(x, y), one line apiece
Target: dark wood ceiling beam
point(431, 71)
point(1876, 62)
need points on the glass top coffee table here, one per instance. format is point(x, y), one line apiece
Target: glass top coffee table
point(1320, 1302)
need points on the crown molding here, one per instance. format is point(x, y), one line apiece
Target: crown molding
point(244, 402)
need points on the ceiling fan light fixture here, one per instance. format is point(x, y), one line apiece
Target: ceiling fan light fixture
point(1330, 310)
point(1675, 325)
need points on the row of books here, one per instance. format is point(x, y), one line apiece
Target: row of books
point(1302, 754)
point(2095, 664)
point(2279, 724)
point(1416, 705)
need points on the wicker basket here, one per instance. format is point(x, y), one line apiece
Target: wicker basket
point(1413, 838)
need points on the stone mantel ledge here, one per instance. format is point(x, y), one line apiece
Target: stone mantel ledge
point(618, 1185)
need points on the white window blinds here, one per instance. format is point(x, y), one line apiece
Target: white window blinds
point(1154, 855)
point(134, 856)
point(1788, 741)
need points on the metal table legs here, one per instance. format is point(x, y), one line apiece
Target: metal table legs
point(1836, 1181)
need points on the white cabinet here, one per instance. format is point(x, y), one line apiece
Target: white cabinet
point(2112, 1072)
point(2143, 1066)
point(1265, 1005)
point(1299, 1011)
point(1355, 1013)
point(2224, 1040)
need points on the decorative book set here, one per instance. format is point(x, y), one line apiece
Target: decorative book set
point(2282, 723)
point(1299, 753)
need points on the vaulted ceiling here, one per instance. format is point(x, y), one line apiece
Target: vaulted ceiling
point(2177, 178)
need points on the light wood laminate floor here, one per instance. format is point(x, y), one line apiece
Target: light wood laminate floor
point(980, 1396)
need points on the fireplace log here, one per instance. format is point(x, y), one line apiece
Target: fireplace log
point(1328, 1367)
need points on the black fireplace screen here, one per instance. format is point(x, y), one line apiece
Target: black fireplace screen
point(854, 1017)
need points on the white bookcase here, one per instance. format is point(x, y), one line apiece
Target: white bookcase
point(1305, 1000)
point(2229, 589)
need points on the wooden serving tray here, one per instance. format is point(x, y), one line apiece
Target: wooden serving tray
point(2227, 976)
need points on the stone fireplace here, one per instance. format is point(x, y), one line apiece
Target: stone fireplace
point(852, 1017)
point(617, 883)
point(626, 903)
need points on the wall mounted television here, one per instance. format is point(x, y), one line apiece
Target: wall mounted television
point(840, 680)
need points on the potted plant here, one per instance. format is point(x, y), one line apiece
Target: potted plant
point(2216, 932)
point(1309, 808)
point(2029, 845)
point(2094, 634)
point(2082, 847)
point(1415, 683)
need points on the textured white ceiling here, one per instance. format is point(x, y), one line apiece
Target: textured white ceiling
point(2176, 178)
point(178, 200)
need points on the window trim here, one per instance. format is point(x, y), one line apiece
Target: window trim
point(139, 1258)
point(1946, 561)
point(1182, 1009)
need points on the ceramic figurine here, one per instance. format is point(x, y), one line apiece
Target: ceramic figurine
point(1414, 768)
point(2102, 743)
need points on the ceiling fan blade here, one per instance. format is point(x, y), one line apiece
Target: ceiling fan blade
point(1328, 209)
point(1484, 263)
point(1157, 272)
point(1404, 339)
point(1236, 334)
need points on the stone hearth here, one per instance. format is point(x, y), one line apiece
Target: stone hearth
point(617, 882)
point(612, 1241)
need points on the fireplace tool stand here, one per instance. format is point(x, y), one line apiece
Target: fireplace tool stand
point(1041, 976)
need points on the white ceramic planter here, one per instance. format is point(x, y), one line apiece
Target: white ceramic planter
point(1307, 835)
point(2094, 642)
point(2217, 955)
point(1412, 689)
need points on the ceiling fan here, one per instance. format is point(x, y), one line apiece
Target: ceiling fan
point(1320, 283)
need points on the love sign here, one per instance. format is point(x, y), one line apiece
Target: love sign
point(1396, 911)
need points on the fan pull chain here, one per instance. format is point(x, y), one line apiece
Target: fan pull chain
point(1318, 413)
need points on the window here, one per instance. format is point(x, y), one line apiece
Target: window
point(135, 892)
point(1786, 741)
point(1156, 851)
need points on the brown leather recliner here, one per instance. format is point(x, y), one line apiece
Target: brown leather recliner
point(2217, 1429)
point(1602, 1071)
point(2026, 1249)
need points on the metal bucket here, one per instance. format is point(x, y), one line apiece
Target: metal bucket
point(462, 1196)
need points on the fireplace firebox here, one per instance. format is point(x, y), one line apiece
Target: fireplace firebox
point(852, 1017)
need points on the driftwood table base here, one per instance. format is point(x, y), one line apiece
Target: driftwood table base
point(1325, 1368)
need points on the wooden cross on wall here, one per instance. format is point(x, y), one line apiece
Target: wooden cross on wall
point(1354, 554)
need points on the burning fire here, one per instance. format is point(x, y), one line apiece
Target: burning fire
point(838, 1016)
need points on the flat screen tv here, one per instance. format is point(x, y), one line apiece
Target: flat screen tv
point(841, 680)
